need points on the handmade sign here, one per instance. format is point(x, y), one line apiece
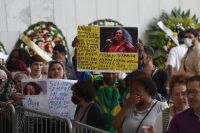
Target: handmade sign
point(107, 49)
point(51, 96)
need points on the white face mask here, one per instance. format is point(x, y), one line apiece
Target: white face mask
point(188, 42)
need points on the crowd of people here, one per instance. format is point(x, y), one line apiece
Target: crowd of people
point(147, 100)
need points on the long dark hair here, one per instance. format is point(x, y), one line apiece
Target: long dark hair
point(23, 56)
point(38, 89)
point(125, 36)
point(51, 65)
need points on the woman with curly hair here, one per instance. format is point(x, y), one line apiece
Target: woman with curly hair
point(121, 42)
point(32, 88)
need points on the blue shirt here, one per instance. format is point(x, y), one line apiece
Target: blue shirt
point(185, 122)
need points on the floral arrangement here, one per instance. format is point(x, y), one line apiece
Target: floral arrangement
point(44, 34)
point(106, 22)
point(177, 21)
point(2, 48)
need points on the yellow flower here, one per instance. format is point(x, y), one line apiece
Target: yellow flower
point(175, 34)
point(169, 43)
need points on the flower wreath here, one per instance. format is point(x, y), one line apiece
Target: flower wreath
point(44, 34)
point(105, 22)
point(177, 21)
point(2, 48)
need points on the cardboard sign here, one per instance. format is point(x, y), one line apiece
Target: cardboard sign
point(54, 96)
point(101, 50)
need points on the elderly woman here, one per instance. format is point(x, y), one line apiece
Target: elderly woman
point(178, 96)
point(87, 111)
point(140, 108)
point(3, 78)
point(17, 95)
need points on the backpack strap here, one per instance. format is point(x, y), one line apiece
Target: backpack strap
point(165, 119)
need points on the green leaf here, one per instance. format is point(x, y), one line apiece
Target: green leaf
point(157, 39)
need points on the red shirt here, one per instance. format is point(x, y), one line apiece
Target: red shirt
point(122, 46)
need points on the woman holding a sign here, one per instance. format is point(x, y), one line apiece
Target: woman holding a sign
point(56, 70)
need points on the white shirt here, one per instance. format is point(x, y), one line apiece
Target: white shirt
point(175, 56)
point(133, 117)
point(41, 77)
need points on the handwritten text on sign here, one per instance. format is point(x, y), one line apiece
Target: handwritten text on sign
point(91, 59)
point(56, 101)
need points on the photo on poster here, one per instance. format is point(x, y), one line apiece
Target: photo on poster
point(102, 46)
point(118, 39)
point(34, 88)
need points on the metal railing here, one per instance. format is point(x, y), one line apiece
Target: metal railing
point(83, 128)
point(7, 118)
point(23, 120)
point(32, 121)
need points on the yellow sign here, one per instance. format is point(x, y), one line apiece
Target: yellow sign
point(91, 58)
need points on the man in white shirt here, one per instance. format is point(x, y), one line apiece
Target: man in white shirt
point(176, 54)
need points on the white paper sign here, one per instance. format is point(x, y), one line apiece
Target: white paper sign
point(54, 96)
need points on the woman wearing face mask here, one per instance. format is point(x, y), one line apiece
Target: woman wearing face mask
point(87, 110)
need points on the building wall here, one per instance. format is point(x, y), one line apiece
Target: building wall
point(17, 15)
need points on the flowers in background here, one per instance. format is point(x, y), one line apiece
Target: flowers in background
point(2, 48)
point(177, 21)
point(105, 22)
point(44, 34)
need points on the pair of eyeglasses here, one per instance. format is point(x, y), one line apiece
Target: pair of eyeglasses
point(184, 94)
point(193, 93)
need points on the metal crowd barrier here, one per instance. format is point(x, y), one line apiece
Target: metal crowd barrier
point(7, 118)
point(78, 127)
point(23, 120)
point(31, 121)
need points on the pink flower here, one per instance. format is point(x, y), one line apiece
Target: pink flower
point(41, 44)
point(57, 40)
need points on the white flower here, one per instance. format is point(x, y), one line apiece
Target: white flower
point(45, 31)
point(165, 48)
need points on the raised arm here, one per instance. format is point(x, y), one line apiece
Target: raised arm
point(119, 119)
